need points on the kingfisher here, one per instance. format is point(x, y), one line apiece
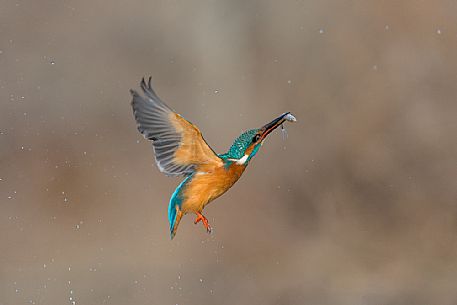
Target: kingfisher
point(181, 150)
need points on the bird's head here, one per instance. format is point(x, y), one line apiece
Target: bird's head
point(248, 143)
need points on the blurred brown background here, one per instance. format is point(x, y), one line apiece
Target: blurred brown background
point(357, 206)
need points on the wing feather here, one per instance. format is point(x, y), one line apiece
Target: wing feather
point(179, 146)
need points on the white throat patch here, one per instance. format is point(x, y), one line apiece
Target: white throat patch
point(240, 161)
point(243, 159)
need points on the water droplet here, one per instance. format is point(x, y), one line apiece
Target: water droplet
point(438, 31)
point(321, 31)
point(289, 82)
point(216, 91)
point(53, 62)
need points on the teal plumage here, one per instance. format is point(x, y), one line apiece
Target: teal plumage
point(176, 202)
point(239, 146)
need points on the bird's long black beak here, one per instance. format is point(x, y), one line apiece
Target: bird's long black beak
point(266, 129)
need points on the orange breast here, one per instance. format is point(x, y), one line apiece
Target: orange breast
point(205, 187)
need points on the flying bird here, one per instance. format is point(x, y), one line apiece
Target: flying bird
point(181, 150)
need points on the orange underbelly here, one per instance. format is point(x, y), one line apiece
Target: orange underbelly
point(205, 187)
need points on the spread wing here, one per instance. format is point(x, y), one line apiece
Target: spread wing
point(178, 145)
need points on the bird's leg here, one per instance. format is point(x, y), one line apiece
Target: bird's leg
point(203, 219)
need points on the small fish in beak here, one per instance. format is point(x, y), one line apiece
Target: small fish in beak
point(289, 117)
point(266, 129)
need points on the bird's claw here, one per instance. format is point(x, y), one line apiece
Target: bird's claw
point(205, 222)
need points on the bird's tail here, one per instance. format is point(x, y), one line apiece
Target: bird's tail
point(174, 208)
point(174, 216)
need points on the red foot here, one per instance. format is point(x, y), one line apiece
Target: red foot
point(203, 219)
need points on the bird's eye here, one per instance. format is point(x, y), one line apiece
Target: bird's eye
point(255, 138)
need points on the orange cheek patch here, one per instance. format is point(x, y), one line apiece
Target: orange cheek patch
point(249, 149)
